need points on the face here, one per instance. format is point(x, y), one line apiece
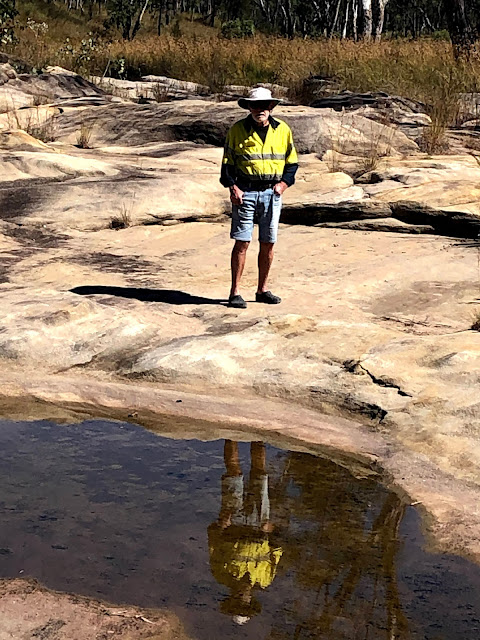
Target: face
point(261, 111)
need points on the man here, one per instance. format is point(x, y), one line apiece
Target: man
point(259, 163)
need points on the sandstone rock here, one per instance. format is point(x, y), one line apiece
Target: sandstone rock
point(31, 119)
point(29, 610)
point(207, 122)
point(378, 224)
point(378, 106)
point(162, 88)
point(20, 66)
point(22, 88)
point(318, 213)
point(372, 326)
point(396, 115)
point(22, 141)
point(419, 170)
point(25, 165)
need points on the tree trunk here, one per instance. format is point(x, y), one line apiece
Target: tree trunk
point(367, 20)
point(379, 18)
point(159, 23)
point(355, 19)
point(213, 13)
point(335, 19)
point(345, 22)
point(461, 33)
point(139, 19)
point(289, 19)
point(126, 28)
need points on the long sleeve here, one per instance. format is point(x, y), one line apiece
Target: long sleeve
point(291, 162)
point(228, 173)
point(289, 174)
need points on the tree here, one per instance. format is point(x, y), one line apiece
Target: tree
point(378, 18)
point(126, 15)
point(8, 12)
point(366, 20)
point(462, 34)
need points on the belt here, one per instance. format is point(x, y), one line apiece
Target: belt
point(256, 186)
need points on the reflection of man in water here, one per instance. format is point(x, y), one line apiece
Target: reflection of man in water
point(242, 552)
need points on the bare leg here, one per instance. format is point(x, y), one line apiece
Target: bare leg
point(258, 456)
point(265, 259)
point(239, 254)
point(229, 504)
point(230, 456)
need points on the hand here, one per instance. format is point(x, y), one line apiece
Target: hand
point(236, 195)
point(280, 187)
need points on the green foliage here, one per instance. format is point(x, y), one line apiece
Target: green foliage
point(441, 34)
point(254, 71)
point(238, 28)
point(117, 68)
point(121, 14)
point(176, 31)
point(81, 54)
point(8, 12)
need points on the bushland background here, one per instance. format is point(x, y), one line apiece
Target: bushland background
point(421, 49)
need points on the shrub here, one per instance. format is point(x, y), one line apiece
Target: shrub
point(238, 29)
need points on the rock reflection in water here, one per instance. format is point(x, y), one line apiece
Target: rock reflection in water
point(339, 540)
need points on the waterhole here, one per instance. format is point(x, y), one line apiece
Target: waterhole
point(241, 540)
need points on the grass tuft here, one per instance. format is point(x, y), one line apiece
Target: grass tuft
point(476, 322)
point(84, 135)
point(159, 92)
point(121, 221)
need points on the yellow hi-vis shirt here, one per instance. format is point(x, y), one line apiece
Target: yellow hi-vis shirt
point(231, 559)
point(255, 160)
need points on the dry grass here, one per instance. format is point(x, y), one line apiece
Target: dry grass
point(40, 99)
point(33, 122)
point(159, 92)
point(84, 135)
point(377, 143)
point(423, 70)
point(123, 220)
point(476, 322)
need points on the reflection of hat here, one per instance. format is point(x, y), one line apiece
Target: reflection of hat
point(241, 619)
point(258, 94)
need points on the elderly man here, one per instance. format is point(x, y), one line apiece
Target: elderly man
point(259, 163)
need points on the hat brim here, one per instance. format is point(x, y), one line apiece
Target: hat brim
point(245, 102)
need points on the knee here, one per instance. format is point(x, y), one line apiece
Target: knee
point(267, 247)
point(240, 247)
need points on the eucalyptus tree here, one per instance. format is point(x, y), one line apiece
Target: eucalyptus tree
point(462, 33)
point(8, 12)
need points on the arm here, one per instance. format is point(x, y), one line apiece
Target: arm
point(228, 172)
point(290, 169)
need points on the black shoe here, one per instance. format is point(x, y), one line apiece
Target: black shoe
point(267, 297)
point(237, 302)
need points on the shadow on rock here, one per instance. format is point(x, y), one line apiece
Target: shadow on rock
point(170, 296)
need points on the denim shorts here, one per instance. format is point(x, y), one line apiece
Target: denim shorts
point(262, 207)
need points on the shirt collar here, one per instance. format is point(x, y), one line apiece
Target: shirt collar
point(250, 124)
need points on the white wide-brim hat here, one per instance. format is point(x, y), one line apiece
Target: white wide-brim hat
point(258, 94)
